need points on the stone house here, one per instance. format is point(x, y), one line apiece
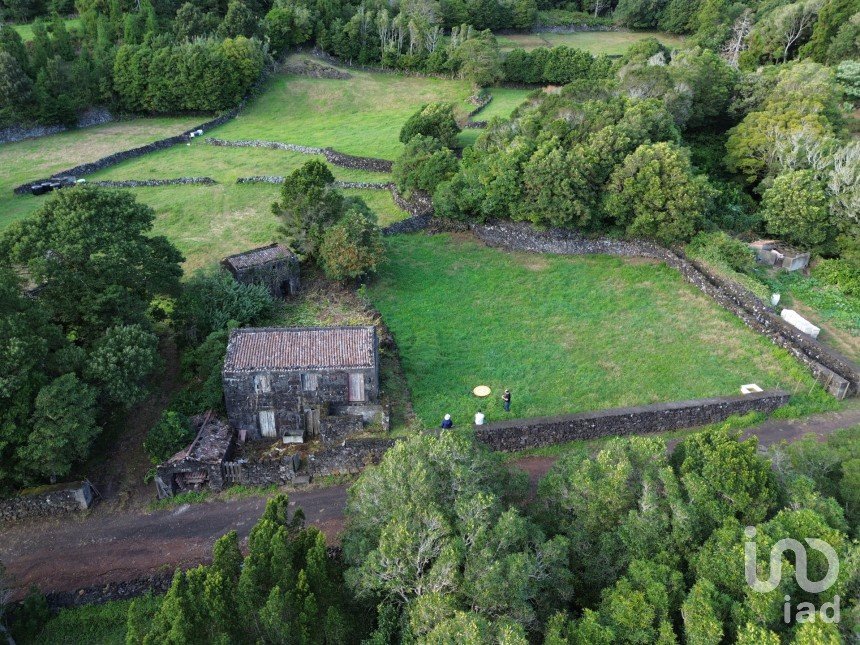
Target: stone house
point(273, 266)
point(200, 465)
point(302, 382)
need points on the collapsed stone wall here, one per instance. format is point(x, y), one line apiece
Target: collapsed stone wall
point(56, 501)
point(142, 183)
point(334, 157)
point(836, 373)
point(521, 434)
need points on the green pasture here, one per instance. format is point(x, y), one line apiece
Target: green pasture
point(38, 158)
point(612, 43)
point(565, 334)
point(26, 31)
point(361, 115)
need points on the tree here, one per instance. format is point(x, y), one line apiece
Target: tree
point(479, 60)
point(212, 299)
point(55, 95)
point(191, 22)
point(848, 75)
point(352, 247)
point(64, 427)
point(429, 522)
point(655, 194)
point(92, 251)
point(710, 80)
point(239, 21)
point(288, 26)
point(725, 478)
point(846, 44)
point(785, 28)
point(16, 91)
point(309, 205)
point(703, 613)
point(795, 209)
point(121, 361)
point(434, 120)
point(833, 15)
point(172, 433)
point(423, 165)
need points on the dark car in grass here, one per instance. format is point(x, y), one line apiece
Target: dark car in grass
point(54, 183)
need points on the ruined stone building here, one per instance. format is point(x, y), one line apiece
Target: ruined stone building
point(273, 266)
point(296, 383)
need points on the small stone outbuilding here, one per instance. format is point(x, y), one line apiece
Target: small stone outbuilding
point(302, 382)
point(275, 266)
point(778, 255)
point(200, 465)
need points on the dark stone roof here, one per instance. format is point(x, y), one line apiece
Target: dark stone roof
point(211, 444)
point(260, 256)
point(300, 348)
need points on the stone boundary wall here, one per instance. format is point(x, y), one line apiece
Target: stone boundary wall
point(521, 434)
point(837, 374)
point(57, 501)
point(261, 179)
point(133, 153)
point(334, 157)
point(91, 117)
point(470, 122)
point(409, 225)
point(139, 183)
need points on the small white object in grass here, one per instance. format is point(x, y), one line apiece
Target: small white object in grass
point(479, 418)
point(188, 144)
point(796, 320)
point(199, 132)
point(750, 388)
point(774, 299)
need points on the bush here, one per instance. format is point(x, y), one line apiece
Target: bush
point(839, 273)
point(433, 120)
point(424, 164)
point(724, 249)
point(352, 247)
point(210, 300)
point(172, 433)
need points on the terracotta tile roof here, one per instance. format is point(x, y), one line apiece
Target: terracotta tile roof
point(256, 257)
point(298, 348)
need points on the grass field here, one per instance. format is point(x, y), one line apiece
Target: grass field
point(596, 42)
point(565, 334)
point(26, 31)
point(37, 158)
point(361, 115)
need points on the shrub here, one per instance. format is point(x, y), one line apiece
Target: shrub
point(795, 209)
point(210, 300)
point(848, 75)
point(424, 164)
point(433, 120)
point(839, 273)
point(352, 247)
point(172, 433)
point(724, 249)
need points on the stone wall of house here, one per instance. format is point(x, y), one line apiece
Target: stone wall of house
point(57, 501)
point(521, 434)
point(837, 374)
point(146, 183)
point(352, 457)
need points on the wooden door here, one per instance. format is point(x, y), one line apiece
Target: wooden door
point(312, 422)
point(356, 388)
point(267, 423)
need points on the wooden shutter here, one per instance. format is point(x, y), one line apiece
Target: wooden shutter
point(356, 387)
point(267, 423)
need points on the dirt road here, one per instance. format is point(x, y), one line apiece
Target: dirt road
point(105, 546)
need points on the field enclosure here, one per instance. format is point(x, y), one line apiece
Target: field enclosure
point(565, 334)
point(613, 43)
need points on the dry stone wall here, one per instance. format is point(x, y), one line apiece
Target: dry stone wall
point(143, 183)
point(521, 434)
point(334, 157)
point(836, 373)
point(56, 501)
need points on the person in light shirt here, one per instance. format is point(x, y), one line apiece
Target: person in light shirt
point(479, 418)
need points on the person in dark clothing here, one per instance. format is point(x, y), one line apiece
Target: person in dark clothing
point(506, 399)
point(447, 423)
